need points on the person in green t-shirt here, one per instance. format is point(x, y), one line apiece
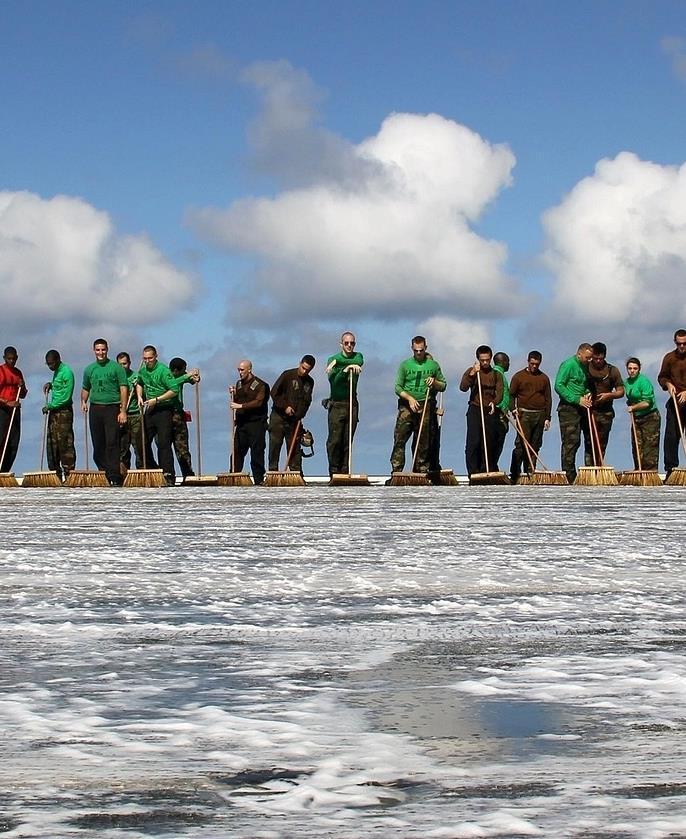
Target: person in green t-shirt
point(343, 370)
point(418, 379)
point(60, 410)
point(180, 419)
point(640, 397)
point(501, 364)
point(104, 397)
point(132, 432)
point(573, 386)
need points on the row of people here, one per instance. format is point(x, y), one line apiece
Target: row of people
point(133, 408)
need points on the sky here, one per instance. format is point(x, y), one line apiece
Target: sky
point(230, 180)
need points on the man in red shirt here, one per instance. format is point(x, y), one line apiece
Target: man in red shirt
point(12, 389)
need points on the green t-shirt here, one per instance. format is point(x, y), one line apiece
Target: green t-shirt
point(504, 404)
point(132, 379)
point(338, 378)
point(157, 381)
point(62, 387)
point(571, 382)
point(102, 380)
point(640, 389)
point(412, 376)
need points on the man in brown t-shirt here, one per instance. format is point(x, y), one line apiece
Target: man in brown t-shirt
point(531, 397)
point(672, 378)
point(606, 386)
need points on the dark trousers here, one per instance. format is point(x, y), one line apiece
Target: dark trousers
point(533, 424)
point(501, 429)
point(281, 430)
point(60, 441)
point(250, 437)
point(603, 423)
point(104, 428)
point(158, 427)
point(11, 435)
point(337, 440)
point(672, 442)
point(475, 455)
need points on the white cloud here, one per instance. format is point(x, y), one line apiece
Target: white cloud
point(453, 341)
point(61, 260)
point(380, 229)
point(617, 246)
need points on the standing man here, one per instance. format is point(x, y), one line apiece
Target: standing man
point(532, 401)
point(501, 363)
point(180, 419)
point(105, 387)
point(249, 399)
point(157, 389)
point(342, 369)
point(418, 379)
point(485, 403)
point(606, 386)
point(573, 388)
point(60, 410)
point(132, 432)
point(291, 399)
point(672, 378)
point(12, 390)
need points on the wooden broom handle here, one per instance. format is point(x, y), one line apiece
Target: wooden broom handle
point(421, 428)
point(483, 420)
point(291, 448)
point(198, 445)
point(594, 429)
point(635, 434)
point(45, 436)
point(350, 422)
point(9, 429)
point(678, 419)
point(529, 447)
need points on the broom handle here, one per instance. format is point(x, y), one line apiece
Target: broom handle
point(527, 447)
point(144, 442)
point(530, 448)
point(291, 448)
point(232, 455)
point(421, 428)
point(197, 429)
point(483, 420)
point(590, 431)
point(635, 435)
point(678, 419)
point(350, 422)
point(599, 448)
point(9, 429)
point(45, 436)
point(85, 437)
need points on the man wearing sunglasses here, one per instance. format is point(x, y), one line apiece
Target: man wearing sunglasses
point(672, 378)
point(343, 371)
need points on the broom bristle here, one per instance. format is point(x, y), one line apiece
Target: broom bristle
point(40, 480)
point(640, 478)
point(7, 479)
point(81, 478)
point(446, 478)
point(233, 479)
point(408, 479)
point(523, 480)
point(549, 479)
point(153, 478)
point(596, 476)
point(343, 479)
point(489, 478)
point(201, 481)
point(677, 478)
point(284, 479)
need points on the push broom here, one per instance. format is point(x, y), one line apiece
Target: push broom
point(405, 479)
point(349, 479)
point(287, 477)
point(85, 477)
point(444, 477)
point(233, 478)
point(199, 480)
point(544, 476)
point(42, 478)
point(677, 477)
point(149, 478)
point(599, 474)
point(639, 477)
point(7, 479)
point(487, 477)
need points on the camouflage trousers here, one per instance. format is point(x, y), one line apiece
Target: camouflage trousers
point(132, 435)
point(603, 422)
point(532, 424)
point(407, 425)
point(180, 441)
point(573, 421)
point(337, 441)
point(648, 433)
point(60, 442)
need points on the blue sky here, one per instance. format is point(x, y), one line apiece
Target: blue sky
point(159, 117)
